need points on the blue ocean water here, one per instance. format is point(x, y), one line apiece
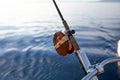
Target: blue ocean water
point(26, 48)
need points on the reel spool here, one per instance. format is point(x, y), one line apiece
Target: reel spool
point(62, 44)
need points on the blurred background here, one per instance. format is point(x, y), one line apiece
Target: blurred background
point(26, 32)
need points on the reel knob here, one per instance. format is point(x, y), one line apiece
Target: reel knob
point(72, 31)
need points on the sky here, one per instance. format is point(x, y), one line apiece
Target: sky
point(6, 1)
point(16, 11)
point(93, 0)
point(111, 0)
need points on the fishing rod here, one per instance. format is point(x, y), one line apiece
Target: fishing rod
point(81, 55)
point(62, 44)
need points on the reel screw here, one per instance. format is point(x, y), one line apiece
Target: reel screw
point(73, 31)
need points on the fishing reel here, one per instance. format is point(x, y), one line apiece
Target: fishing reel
point(62, 43)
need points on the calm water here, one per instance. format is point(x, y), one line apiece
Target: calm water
point(26, 49)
